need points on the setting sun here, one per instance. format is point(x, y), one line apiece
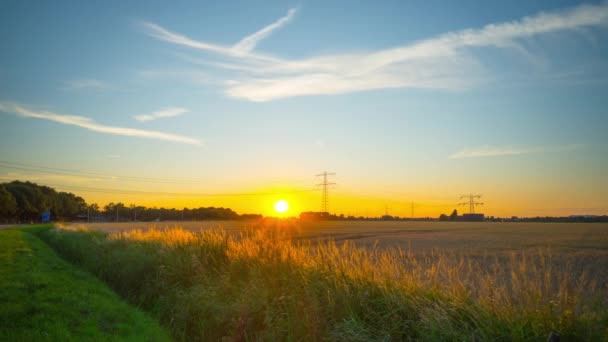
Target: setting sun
point(281, 206)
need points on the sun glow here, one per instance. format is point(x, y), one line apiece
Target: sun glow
point(281, 206)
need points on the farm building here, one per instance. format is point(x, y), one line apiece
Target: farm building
point(471, 217)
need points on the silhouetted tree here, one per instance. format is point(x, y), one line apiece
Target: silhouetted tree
point(26, 201)
point(8, 205)
point(93, 210)
point(454, 215)
point(31, 201)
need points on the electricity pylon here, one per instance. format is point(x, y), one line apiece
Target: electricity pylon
point(325, 186)
point(471, 203)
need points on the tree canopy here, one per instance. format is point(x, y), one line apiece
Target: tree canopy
point(26, 201)
point(8, 204)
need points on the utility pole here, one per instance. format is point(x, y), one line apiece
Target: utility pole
point(412, 209)
point(471, 201)
point(386, 210)
point(325, 185)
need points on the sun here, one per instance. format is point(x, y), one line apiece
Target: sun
point(281, 206)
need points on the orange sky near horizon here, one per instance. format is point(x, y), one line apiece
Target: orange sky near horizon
point(506, 191)
point(431, 194)
point(369, 204)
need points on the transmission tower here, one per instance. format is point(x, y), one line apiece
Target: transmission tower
point(471, 203)
point(325, 186)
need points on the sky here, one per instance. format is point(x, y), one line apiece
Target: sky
point(239, 104)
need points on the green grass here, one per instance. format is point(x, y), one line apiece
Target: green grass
point(263, 285)
point(44, 298)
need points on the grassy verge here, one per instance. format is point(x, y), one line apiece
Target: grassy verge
point(44, 298)
point(264, 286)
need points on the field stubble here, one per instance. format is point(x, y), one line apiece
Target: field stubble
point(356, 280)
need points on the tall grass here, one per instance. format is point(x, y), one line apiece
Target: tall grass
point(264, 285)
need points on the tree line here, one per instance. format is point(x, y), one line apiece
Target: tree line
point(26, 202)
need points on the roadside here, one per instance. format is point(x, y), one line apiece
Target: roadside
point(45, 298)
point(2, 226)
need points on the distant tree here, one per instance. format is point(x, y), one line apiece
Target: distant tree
point(26, 201)
point(31, 201)
point(70, 205)
point(120, 211)
point(443, 217)
point(8, 204)
point(108, 210)
point(454, 215)
point(132, 212)
point(93, 210)
point(140, 213)
point(52, 200)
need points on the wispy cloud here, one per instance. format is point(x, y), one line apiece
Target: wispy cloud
point(87, 123)
point(492, 151)
point(165, 113)
point(497, 151)
point(444, 61)
point(87, 83)
point(32, 176)
point(248, 43)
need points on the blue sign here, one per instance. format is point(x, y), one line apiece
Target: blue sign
point(46, 216)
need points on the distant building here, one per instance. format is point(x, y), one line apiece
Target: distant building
point(471, 217)
point(582, 217)
point(316, 216)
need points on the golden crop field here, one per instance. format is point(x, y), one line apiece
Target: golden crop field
point(456, 280)
point(573, 238)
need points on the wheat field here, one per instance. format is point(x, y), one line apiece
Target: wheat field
point(355, 281)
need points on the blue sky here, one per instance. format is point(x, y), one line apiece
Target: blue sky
point(406, 101)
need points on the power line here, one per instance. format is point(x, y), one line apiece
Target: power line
point(87, 174)
point(471, 202)
point(325, 184)
point(402, 201)
point(325, 190)
point(102, 176)
point(141, 192)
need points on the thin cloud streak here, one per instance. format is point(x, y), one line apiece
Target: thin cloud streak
point(165, 113)
point(31, 176)
point(496, 151)
point(163, 34)
point(91, 125)
point(489, 151)
point(248, 43)
point(445, 61)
